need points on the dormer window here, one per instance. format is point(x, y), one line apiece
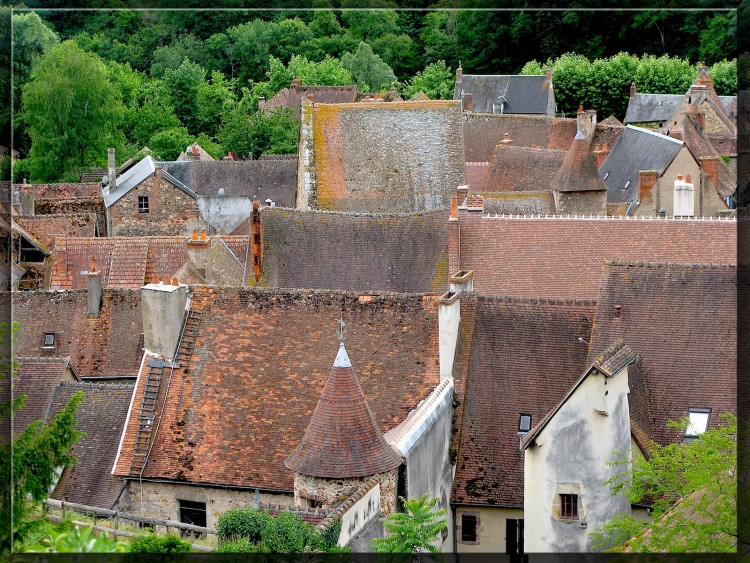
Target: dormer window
point(524, 423)
point(697, 423)
point(49, 340)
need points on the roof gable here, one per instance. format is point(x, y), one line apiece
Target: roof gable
point(578, 172)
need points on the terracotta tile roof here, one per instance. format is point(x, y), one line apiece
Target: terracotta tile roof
point(292, 97)
point(519, 203)
point(101, 415)
point(681, 319)
point(397, 157)
point(611, 120)
point(354, 252)
point(700, 147)
point(482, 133)
point(228, 254)
point(46, 227)
point(559, 257)
point(475, 175)
point(578, 172)
point(525, 356)
point(244, 402)
point(128, 263)
point(342, 439)
point(37, 378)
point(515, 169)
point(107, 345)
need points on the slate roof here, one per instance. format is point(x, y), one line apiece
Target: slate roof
point(398, 157)
point(482, 133)
point(578, 172)
point(355, 252)
point(258, 179)
point(560, 257)
point(525, 94)
point(682, 321)
point(636, 149)
point(293, 96)
point(45, 228)
point(107, 345)
point(176, 173)
point(130, 262)
point(37, 378)
point(645, 108)
point(227, 264)
point(514, 169)
point(101, 415)
point(525, 356)
point(244, 402)
point(342, 439)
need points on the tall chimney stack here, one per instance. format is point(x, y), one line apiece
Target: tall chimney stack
point(256, 247)
point(163, 306)
point(199, 253)
point(95, 289)
point(632, 90)
point(459, 72)
point(111, 170)
point(468, 101)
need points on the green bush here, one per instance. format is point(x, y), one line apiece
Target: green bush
point(160, 544)
point(243, 523)
point(288, 533)
point(242, 545)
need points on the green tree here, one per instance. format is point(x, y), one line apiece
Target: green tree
point(167, 144)
point(436, 81)
point(183, 84)
point(693, 488)
point(413, 530)
point(66, 537)
point(724, 75)
point(171, 56)
point(72, 112)
point(215, 98)
point(369, 71)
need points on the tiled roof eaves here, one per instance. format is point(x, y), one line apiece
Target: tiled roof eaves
point(356, 213)
point(608, 218)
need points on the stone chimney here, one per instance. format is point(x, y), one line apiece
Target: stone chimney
point(163, 305)
point(95, 289)
point(111, 170)
point(199, 253)
point(459, 72)
point(548, 75)
point(646, 181)
point(507, 141)
point(296, 81)
point(256, 246)
point(586, 122)
point(462, 281)
point(704, 78)
point(196, 153)
point(600, 154)
point(710, 167)
point(468, 101)
point(632, 90)
point(454, 234)
point(684, 197)
point(449, 321)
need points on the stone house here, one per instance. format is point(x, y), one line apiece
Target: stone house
point(506, 94)
point(292, 97)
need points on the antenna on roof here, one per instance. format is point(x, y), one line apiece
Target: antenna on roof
point(341, 331)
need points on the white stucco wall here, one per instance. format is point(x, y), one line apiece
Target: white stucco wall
point(491, 528)
point(362, 512)
point(569, 457)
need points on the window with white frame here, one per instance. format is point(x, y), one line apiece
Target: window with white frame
point(697, 422)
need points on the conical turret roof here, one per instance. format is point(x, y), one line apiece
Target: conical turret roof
point(342, 439)
point(578, 172)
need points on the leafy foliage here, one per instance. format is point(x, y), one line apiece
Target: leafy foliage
point(72, 111)
point(153, 543)
point(413, 530)
point(70, 538)
point(167, 144)
point(242, 523)
point(369, 71)
point(436, 81)
point(259, 133)
point(693, 488)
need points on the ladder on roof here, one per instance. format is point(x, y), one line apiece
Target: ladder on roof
point(147, 416)
point(187, 342)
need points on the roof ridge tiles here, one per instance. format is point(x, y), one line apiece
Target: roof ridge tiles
point(44, 359)
point(562, 301)
point(651, 264)
point(95, 385)
point(354, 213)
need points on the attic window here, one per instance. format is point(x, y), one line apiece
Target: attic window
point(697, 422)
point(142, 204)
point(49, 340)
point(524, 423)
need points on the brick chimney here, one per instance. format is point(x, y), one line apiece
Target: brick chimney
point(700, 119)
point(468, 101)
point(163, 305)
point(461, 193)
point(111, 170)
point(475, 202)
point(195, 152)
point(548, 75)
point(646, 181)
point(256, 244)
point(710, 167)
point(459, 72)
point(507, 141)
point(95, 289)
point(199, 253)
point(296, 81)
point(632, 90)
point(454, 234)
point(600, 154)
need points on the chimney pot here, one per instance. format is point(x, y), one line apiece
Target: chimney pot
point(580, 108)
point(548, 75)
point(688, 179)
point(194, 235)
point(459, 71)
point(175, 281)
point(454, 209)
point(679, 176)
point(203, 234)
point(154, 279)
point(256, 205)
point(632, 90)
point(167, 280)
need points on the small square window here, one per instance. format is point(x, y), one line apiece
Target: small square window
point(698, 422)
point(49, 339)
point(524, 423)
point(569, 506)
point(142, 204)
point(468, 527)
point(194, 513)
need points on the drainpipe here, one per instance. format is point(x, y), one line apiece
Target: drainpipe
point(453, 516)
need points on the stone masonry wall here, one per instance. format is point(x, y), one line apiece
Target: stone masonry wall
point(171, 211)
point(332, 491)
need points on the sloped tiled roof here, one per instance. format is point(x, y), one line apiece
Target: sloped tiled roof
point(355, 252)
point(101, 415)
point(173, 172)
point(515, 169)
point(645, 108)
point(244, 402)
point(227, 264)
point(46, 227)
point(682, 321)
point(525, 94)
point(525, 356)
point(203, 155)
point(398, 157)
point(476, 172)
point(700, 147)
point(519, 203)
point(258, 179)
point(562, 257)
point(636, 149)
point(292, 97)
point(342, 439)
point(578, 171)
point(37, 378)
point(107, 345)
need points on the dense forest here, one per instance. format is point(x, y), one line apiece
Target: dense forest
point(84, 81)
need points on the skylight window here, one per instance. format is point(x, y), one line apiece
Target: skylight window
point(698, 422)
point(49, 340)
point(524, 423)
